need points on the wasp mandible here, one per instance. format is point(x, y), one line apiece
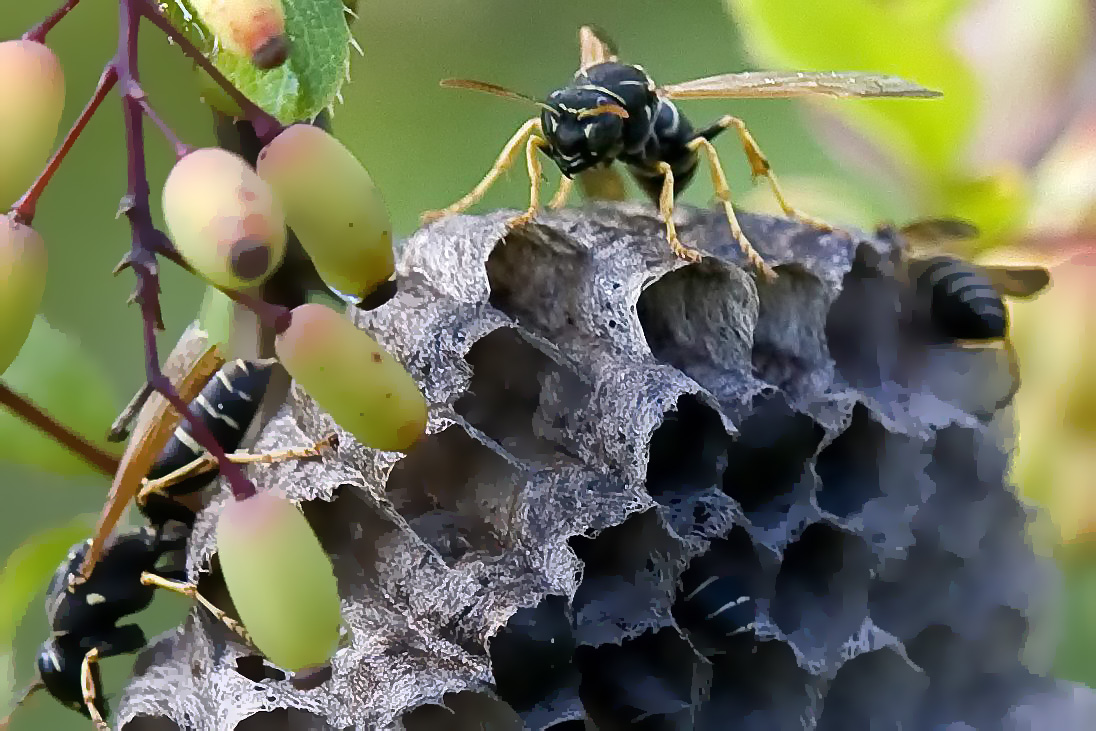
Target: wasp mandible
point(614, 111)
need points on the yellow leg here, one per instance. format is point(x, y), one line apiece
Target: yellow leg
point(559, 200)
point(191, 591)
point(532, 164)
point(205, 463)
point(87, 688)
point(759, 166)
point(723, 192)
point(505, 160)
point(666, 210)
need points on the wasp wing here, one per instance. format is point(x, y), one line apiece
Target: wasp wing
point(1014, 281)
point(939, 229)
point(594, 47)
point(773, 84)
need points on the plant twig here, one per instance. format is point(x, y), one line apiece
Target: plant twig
point(31, 413)
point(38, 32)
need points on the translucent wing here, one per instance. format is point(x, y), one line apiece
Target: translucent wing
point(1013, 281)
point(937, 230)
point(595, 48)
point(761, 84)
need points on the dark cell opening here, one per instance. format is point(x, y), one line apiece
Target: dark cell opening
point(149, 723)
point(380, 294)
point(822, 585)
point(789, 342)
point(644, 683)
point(699, 317)
point(465, 711)
point(531, 657)
point(687, 451)
point(758, 685)
point(849, 466)
point(457, 493)
point(253, 668)
point(766, 461)
point(350, 531)
point(533, 281)
point(285, 719)
point(875, 690)
point(509, 377)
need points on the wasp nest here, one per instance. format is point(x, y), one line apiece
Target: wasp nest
point(606, 418)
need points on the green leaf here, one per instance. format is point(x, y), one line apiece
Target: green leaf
point(308, 82)
point(29, 568)
point(925, 135)
point(56, 374)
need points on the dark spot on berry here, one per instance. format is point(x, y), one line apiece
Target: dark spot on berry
point(350, 225)
point(250, 259)
point(271, 54)
point(376, 357)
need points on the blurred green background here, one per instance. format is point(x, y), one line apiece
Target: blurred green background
point(1014, 98)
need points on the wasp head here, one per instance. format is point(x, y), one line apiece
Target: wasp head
point(585, 128)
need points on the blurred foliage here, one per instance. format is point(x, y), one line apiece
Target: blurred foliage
point(306, 84)
point(55, 373)
point(1006, 68)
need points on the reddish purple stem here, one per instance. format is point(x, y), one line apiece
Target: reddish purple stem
point(38, 32)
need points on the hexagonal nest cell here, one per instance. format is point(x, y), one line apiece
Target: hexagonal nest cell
point(654, 494)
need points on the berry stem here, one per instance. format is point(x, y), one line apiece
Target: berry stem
point(24, 208)
point(147, 239)
point(38, 32)
point(266, 126)
point(138, 95)
point(31, 413)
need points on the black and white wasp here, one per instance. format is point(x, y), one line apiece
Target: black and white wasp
point(614, 111)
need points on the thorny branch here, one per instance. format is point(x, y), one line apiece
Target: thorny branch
point(147, 241)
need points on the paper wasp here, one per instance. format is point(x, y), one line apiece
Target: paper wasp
point(614, 111)
point(960, 302)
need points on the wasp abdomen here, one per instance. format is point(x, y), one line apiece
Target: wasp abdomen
point(963, 303)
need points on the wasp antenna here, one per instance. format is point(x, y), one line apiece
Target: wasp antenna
point(614, 109)
point(494, 89)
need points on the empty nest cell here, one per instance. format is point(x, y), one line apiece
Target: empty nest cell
point(821, 590)
point(699, 318)
point(456, 493)
point(466, 711)
point(512, 381)
point(789, 341)
point(285, 719)
point(646, 682)
point(879, 689)
point(760, 686)
point(687, 450)
point(850, 466)
point(767, 461)
point(627, 580)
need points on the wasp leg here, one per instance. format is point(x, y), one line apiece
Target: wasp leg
point(207, 462)
point(191, 591)
point(559, 200)
point(505, 160)
point(723, 192)
point(666, 210)
point(759, 166)
point(89, 686)
point(532, 164)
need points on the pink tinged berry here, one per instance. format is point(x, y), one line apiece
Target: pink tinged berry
point(366, 390)
point(32, 97)
point(333, 206)
point(224, 219)
point(22, 284)
point(280, 579)
point(251, 28)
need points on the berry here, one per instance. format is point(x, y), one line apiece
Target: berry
point(280, 580)
point(224, 219)
point(332, 205)
point(22, 284)
point(251, 28)
point(366, 390)
point(32, 96)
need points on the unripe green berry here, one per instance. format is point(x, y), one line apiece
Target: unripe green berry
point(332, 205)
point(32, 97)
point(280, 580)
point(366, 390)
point(22, 284)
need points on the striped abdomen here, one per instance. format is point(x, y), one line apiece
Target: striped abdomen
point(715, 600)
point(962, 303)
point(226, 406)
